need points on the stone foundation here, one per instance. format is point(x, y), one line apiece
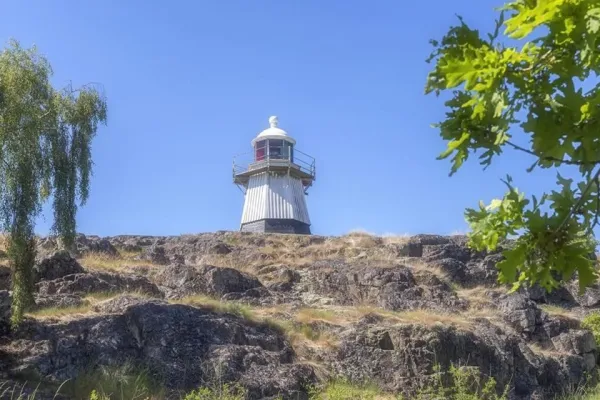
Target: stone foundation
point(291, 226)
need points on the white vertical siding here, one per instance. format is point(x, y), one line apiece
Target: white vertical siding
point(276, 197)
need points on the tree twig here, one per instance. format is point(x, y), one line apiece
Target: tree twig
point(538, 62)
point(597, 216)
point(547, 158)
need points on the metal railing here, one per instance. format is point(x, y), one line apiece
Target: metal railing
point(246, 162)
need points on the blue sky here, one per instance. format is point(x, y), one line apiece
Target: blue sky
point(190, 83)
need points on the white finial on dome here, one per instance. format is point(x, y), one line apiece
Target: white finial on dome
point(273, 121)
point(274, 132)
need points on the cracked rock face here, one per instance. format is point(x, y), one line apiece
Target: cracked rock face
point(98, 282)
point(402, 358)
point(182, 280)
point(178, 343)
point(393, 288)
point(56, 266)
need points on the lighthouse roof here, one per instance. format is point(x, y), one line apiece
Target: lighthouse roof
point(274, 132)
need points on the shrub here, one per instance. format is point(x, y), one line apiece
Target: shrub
point(465, 383)
point(592, 322)
point(461, 383)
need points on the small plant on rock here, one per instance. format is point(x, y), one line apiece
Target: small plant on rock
point(592, 322)
point(224, 392)
point(342, 389)
point(96, 396)
point(466, 383)
point(126, 382)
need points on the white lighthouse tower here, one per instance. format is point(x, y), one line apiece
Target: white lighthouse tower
point(274, 180)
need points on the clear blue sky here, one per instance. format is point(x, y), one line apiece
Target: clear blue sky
point(190, 83)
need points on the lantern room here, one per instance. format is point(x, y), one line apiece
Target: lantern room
point(274, 151)
point(273, 144)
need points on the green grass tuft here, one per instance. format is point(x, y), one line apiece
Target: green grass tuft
point(226, 307)
point(222, 392)
point(126, 382)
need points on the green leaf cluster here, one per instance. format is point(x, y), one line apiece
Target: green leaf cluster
point(529, 97)
point(45, 151)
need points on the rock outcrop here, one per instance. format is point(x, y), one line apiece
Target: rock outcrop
point(181, 345)
point(98, 282)
point(95, 245)
point(391, 288)
point(181, 280)
point(279, 313)
point(57, 266)
point(402, 358)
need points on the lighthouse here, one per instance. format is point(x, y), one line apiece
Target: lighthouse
point(274, 178)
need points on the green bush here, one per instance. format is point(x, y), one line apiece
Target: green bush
point(465, 383)
point(592, 322)
point(458, 383)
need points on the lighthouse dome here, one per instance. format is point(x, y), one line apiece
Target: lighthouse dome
point(274, 132)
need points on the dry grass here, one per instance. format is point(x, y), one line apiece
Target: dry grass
point(479, 297)
point(419, 267)
point(344, 316)
point(395, 239)
point(360, 232)
point(298, 330)
point(98, 297)
point(232, 260)
point(298, 251)
point(306, 339)
point(387, 237)
point(104, 262)
point(301, 324)
point(69, 313)
point(560, 312)
point(537, 349)
point(310, 315)
point(423, 317)
point(228, 307)
point(61, 312)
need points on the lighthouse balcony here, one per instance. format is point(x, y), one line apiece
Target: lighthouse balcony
point(302, 166)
